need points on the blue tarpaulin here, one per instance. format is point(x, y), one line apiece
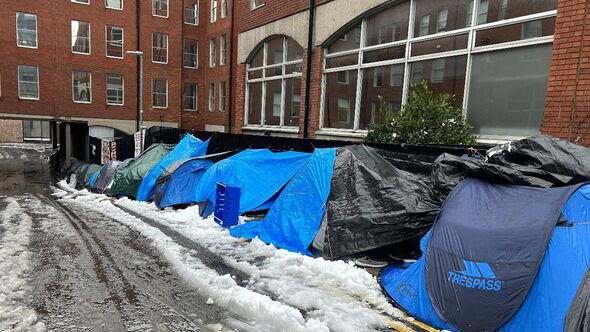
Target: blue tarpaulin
point(260, 174)
point(295, 218)
point(545, 304)
point(93, 178)
point(189, 147)
point(181, 186)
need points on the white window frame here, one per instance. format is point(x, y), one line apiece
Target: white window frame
point(212, 53)
point(347, 99)
point(442, 13)
point(263, 80)
point(222, 96)
point(89, 87)
point(89, 38)
point(194, 98)
point(184, 53)
point(167, 9)
point(81, 2)
point(106, 5)
point(122, 90)
point(167, 48)
point(36, 31)
point(106, 40)
point(222, 50)
point(211, 97)
point(472, 30)
point(196, 11)
point(19, 80)
point(213, 11)
point(223, 8)
point(167, 92)
point(254, 6)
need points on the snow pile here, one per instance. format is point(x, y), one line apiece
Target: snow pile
point(14, 268)
point(305, 293)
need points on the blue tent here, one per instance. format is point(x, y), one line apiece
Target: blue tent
point(188, 147)
point(495, 259)
point(295, 217)
point(180, 186)
point(93, 178)
point(260, 174)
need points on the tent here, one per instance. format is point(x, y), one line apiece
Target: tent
point(105, 176)
point(128, 178)
point(177, 185)
point(188, 147)
point(84, 172)
point(259, 174)
point(500, 257)
point(93, 178)
point(346, 201)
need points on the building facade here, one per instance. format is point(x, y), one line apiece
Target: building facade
point(275, 67)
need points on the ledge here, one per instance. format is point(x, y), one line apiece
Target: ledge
point(291, 130)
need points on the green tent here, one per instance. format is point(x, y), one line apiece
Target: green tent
point(128, 178)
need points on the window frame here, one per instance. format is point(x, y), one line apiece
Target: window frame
point(167, 9)
point(213, 11)
point(184, 53)
point(409, 59)
point(122, 90)
point(89, 38)
point(166, 93)
point(19, 81)
point(196, 12)
point(167, 47)
point(222, 50)
point(253, 5)
point(194, 98)
point(211, 97)
point(106, 40)
point(36, 31)
point(223, 10)
point(106, 5)
point(222, 96)
point(212, 53)
point(89, 87)
point(81, 2)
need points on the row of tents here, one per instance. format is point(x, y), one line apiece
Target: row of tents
point(509, 248)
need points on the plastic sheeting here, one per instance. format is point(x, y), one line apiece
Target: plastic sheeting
point(189, 147)
point(546, 304)
point(295, 217)
point(180, 187)
point(84, 174)
point(128, 178)
point(374, 204)
point(106, 174)
point(259, 174)
point(93, 178)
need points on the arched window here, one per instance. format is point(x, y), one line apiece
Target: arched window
point(273, 84)
point(473, 50)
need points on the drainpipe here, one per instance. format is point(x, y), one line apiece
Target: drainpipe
point(308, 69)
point(231, 67)
point(139, 94)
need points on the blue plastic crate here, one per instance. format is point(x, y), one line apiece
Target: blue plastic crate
point(227, 205)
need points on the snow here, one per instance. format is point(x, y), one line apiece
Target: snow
point(306, 293)
point(15, 265)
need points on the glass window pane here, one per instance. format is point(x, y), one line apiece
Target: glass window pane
point(440, 45)
point(45, 129)
point(160, 7)
point(258, 58)
point(385, 54)
point(505, 9)
point(26, 29)
point(340, 100)
point(440, 16)
point(274, 71)
point(348, 41)
point(252, 75)
point(295, 68)
point(294, 50)
point(273, 103)
point(80, 37)
point(254, 103)
point(160, 47)
point(114, 89)
point(81, 86)
point(114, 42)
point(482, 12)
point(449, 75)
point(508, 89)
point(116, 4)
point(292, 101)
point(389, 25)
point(342, 61)
point(190, 53)
point(383, 81)
point(275, 51)
point(508, 33)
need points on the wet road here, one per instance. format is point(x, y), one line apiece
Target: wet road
point(63, 269)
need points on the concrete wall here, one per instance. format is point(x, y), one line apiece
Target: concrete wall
point(11, 131)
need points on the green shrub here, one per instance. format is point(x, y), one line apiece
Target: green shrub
point(427, 118)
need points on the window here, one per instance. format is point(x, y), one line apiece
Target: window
point(213, 11)
point(378, 77)
point(223, 8)
point(26, 30)
point(86, 2)
point(273, 96)
point(191, 13)
point(438, 70)
point(397, 32)
point(115, 89)
point(396, 73)
point(159, 47)
point(502, 10)
point(532, 29)
point(189, 97)
point(343, 77)
point(28, 82)
point(222, 50)
point(482, 12)
point(416, 74)
point(80, 37)
point(441, 22)
point(159, 93)
point(424, 24)
point(82, 87)
point(114, 4)
point(190, 53)
point(160, 8)
point(222, 96)
point(212, 53)
point(114, 41)
point(256, 4)
point(36, 130)
point(343, 110)
point(211, 97)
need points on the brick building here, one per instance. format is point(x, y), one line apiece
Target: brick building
point(517, 67)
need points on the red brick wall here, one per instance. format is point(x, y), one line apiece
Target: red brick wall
point(567, 108)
